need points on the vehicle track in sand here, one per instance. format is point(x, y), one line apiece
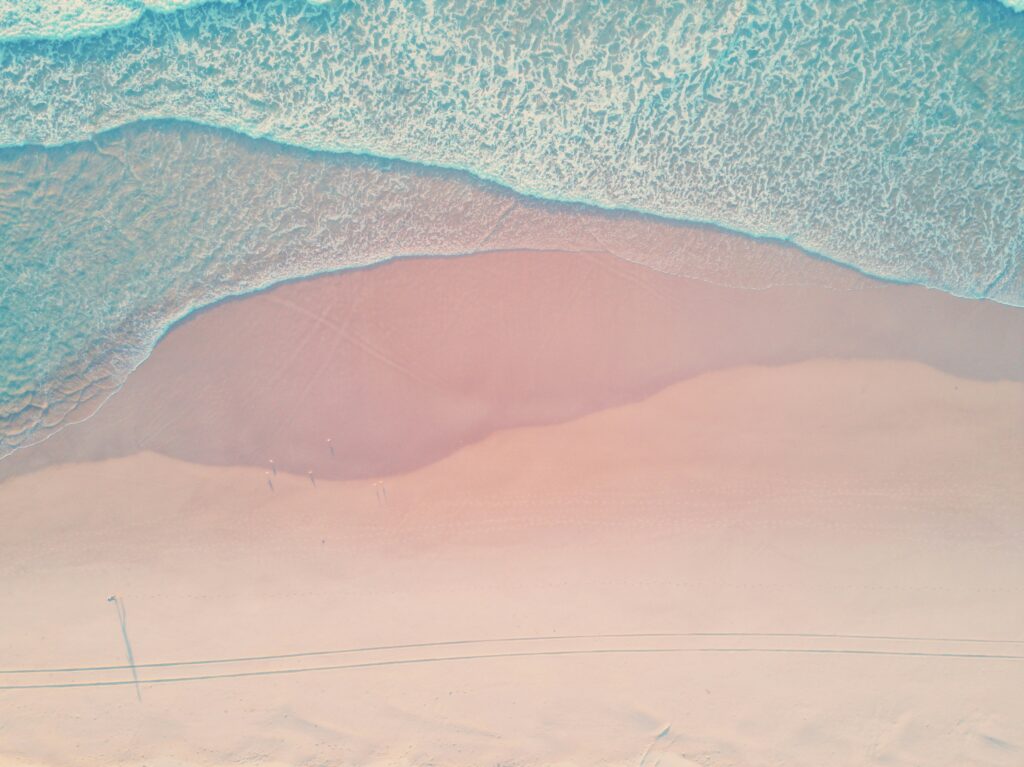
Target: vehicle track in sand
point(668, 643)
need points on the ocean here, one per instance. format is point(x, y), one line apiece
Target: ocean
point(157, 159)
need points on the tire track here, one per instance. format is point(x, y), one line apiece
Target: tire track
point(619, 647)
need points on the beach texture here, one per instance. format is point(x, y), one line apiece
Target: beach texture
point(790, 538)
point(493, 383)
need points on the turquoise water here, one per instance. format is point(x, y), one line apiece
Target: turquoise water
point(888, 136)
point(107, 242)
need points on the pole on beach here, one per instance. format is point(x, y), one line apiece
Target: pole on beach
point(122, 618)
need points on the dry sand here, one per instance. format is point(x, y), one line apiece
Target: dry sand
point(817, 563)
point(735, 502)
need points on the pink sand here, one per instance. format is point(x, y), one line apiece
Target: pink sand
point(741, 502)
point(811, 497)
point(400, 364)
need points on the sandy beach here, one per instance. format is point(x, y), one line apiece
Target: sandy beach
point(572, 511)
point(511, 384)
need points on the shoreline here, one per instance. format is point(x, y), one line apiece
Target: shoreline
point(434, 337)
point(503, 188)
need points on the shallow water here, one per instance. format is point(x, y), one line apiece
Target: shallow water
point(888, 136)
point(108, 242)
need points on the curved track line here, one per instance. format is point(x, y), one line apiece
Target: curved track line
point(495, 640)
point(545, 653)
point(549, 653)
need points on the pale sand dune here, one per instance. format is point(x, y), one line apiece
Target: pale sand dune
point(830, 497)
point(401, 364)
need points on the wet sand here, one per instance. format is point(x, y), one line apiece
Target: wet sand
point(400, 364)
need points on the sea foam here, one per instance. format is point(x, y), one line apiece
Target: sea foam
point(108, 242)
point(65, 19)
point(888, 135)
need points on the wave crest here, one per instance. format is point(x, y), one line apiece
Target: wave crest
point(67, 19)
point(885, 135)
point(107, 243)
